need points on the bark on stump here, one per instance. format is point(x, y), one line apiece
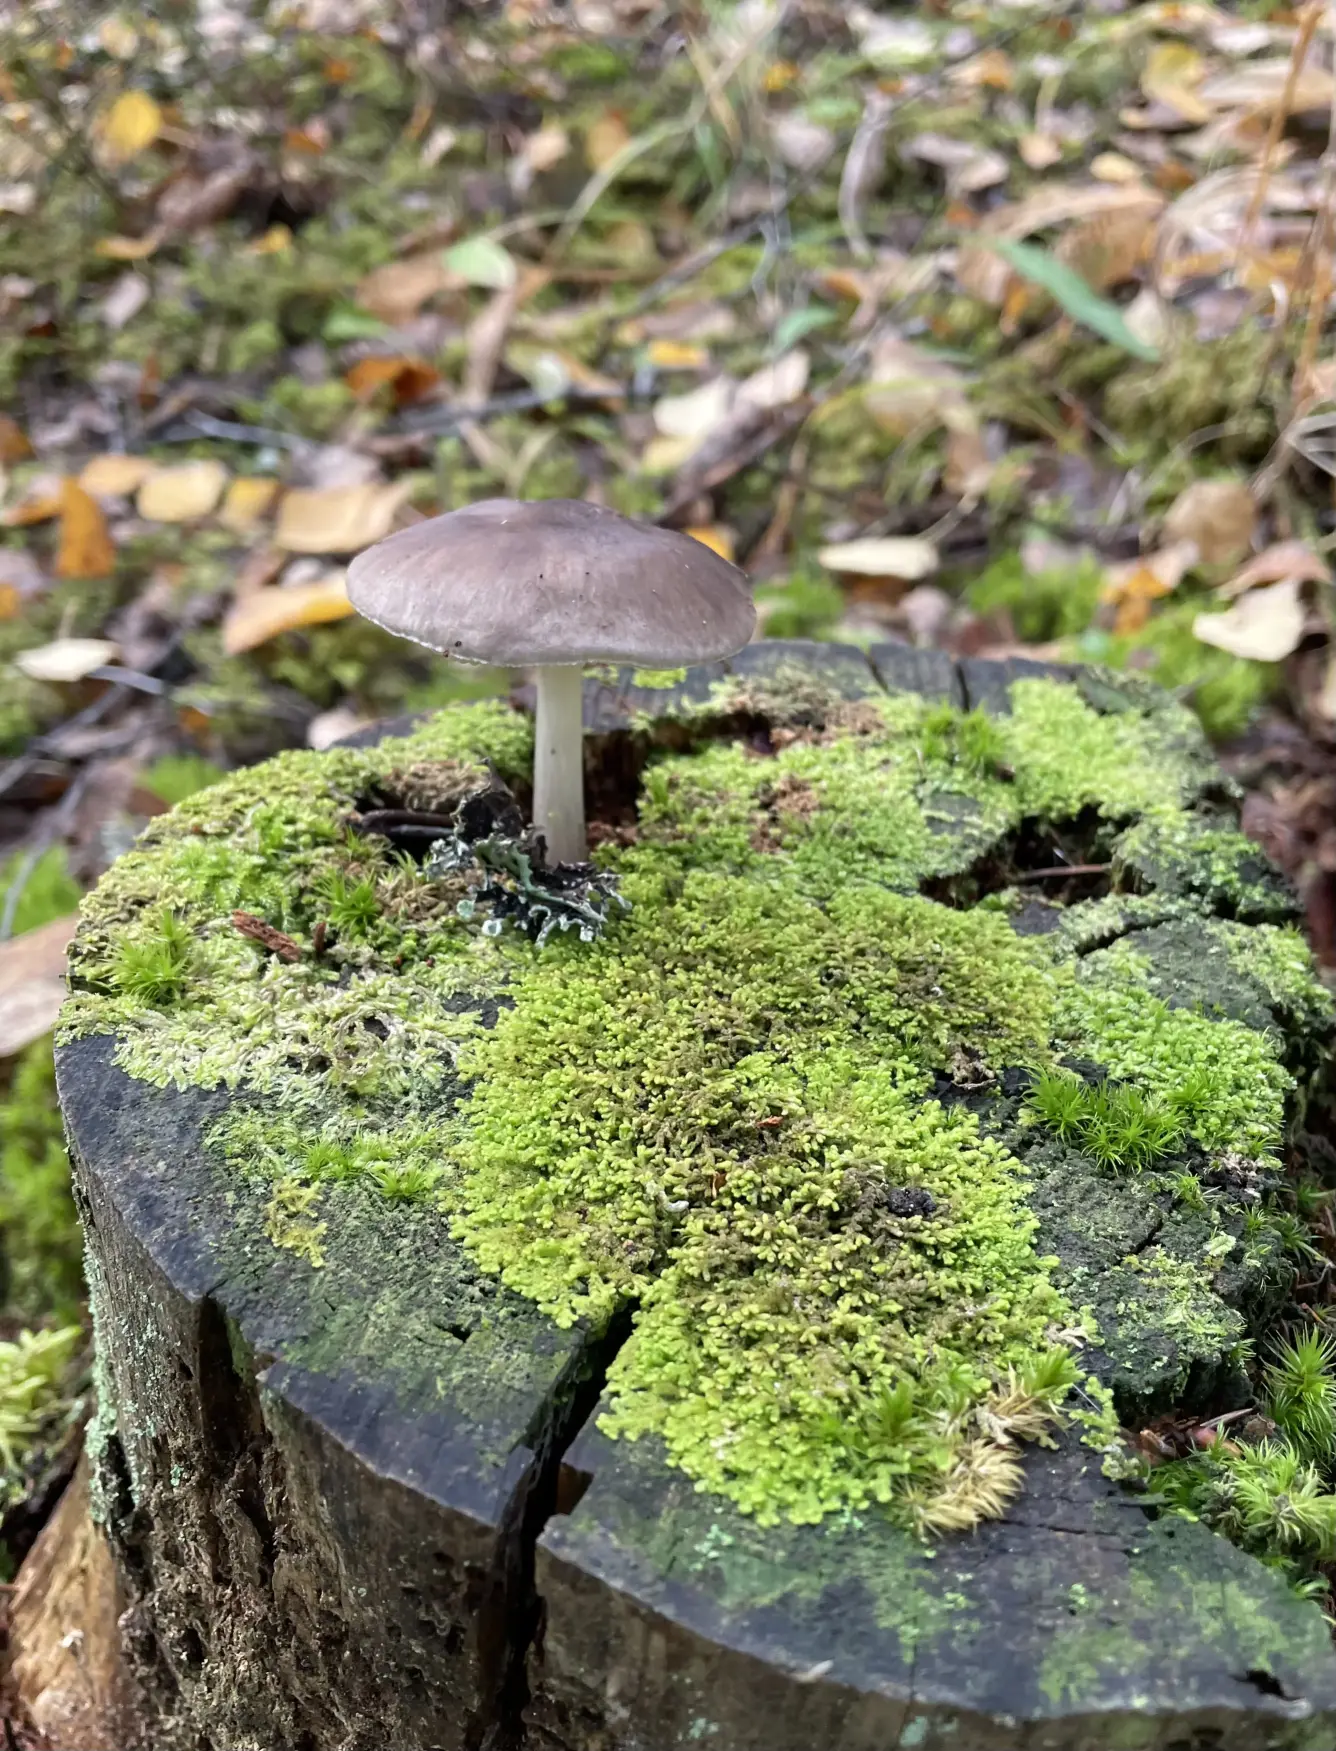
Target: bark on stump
point(443, 1551)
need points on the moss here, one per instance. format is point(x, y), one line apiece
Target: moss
point(1201, 855)
point(1043, 605)
point(723, 1112)
point(39, 1233)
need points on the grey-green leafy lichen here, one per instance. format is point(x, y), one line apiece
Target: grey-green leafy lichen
point(760, 1109)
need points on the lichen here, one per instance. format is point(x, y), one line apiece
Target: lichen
point(727, 1112)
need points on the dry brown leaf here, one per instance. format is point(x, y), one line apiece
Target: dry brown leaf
point(32, 983)
point(1258, 87)
point(908, 388)
point(396, 292)
point(1171, 76)
point(778, 384)
point(84, 549)
point(697, 413)
point(263, 614)
point(1059, 203)
point(66, 659)
point(115, 476)
point(248, 501)
point(411, 379)
point(14, 446)
point(546, 148)
point(969, 168)
point(801, 144)
point(340, 519)
point(183, 493)
point(1111, 247)
point(882, 556)
point(1277, 563)
point(130, 127)
point(42, 500)
point(1113, 167)
point(1265, 625)
point(605, 138)
point(1217, 516)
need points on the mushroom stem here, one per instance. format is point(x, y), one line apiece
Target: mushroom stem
point(558, 762)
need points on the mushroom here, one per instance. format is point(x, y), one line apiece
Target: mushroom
point(553, 584)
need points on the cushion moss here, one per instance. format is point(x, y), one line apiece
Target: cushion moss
point(725, 1114)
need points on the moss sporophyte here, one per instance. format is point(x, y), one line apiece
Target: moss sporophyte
point(862, 1162)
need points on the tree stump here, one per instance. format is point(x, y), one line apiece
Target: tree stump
point(395, 1447)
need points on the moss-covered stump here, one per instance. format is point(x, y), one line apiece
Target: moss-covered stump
point(714, 1328)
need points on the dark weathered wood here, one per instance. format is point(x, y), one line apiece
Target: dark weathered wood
point(331, 1495)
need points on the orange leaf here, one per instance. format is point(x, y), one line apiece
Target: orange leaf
point(410, 379)
point(14, 447)
point(84, 549)
point(10, 601)
point(259, 617)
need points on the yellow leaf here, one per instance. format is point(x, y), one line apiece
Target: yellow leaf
point(128, 248)
point(248, 498)
point(183, 493)
point(262, 616)
point(275, 240)
point(130, 126)
point(676, 355)
point(1131, 588)
point(340, 519)
point(1114, 167)
point(606, 137)
point(113, 476)
point(43, 501)
point(84, 549)
point(779, 75)
point(718, 537)
point(1171, 72)
point(10, 602)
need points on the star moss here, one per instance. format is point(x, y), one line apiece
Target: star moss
point(735, 1114)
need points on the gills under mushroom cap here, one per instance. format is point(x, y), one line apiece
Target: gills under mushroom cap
point(553, 582)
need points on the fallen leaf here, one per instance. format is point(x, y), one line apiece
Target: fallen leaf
point(1265, 625)
point(14, 446)
point(676, 355)
point(882, 556)
point(777, 384)
point(1039, 151)
point(718, 537)
point(340, 519)
point(248, 500)
point(128, 248)
point(546, 148)
point(66, 659)
point(481, 261)
point(1217, 516)
point(130, 126)
point(115, 476)
point(32, 983)
point(801, 144)
point(605, 138)
point(907, 388)
point(1172, 73)
point(1113, 167)
point(274, 241)
point(125, 300)
point(969, 168)
point(1259, 87)
point(409, 378)
point(1279, 563)
point(183, 493)
point(328, 727)
point(84, 549)
point(1131, 588)
point(696, 413)
point(257, 618)
point(396, 292)
point(42, 500)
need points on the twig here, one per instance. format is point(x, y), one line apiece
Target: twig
point(1298, 55)
point(267, 937)
point(1063, 869)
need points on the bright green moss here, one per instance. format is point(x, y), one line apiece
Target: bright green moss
point(722, 1113)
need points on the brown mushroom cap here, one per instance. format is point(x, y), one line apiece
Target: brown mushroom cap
point(553, 581)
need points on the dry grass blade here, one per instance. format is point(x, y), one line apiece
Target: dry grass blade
point(1308, 22)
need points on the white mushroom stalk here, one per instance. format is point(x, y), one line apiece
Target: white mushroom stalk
point(558, 762)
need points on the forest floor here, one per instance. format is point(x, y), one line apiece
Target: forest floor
point(987, 327)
